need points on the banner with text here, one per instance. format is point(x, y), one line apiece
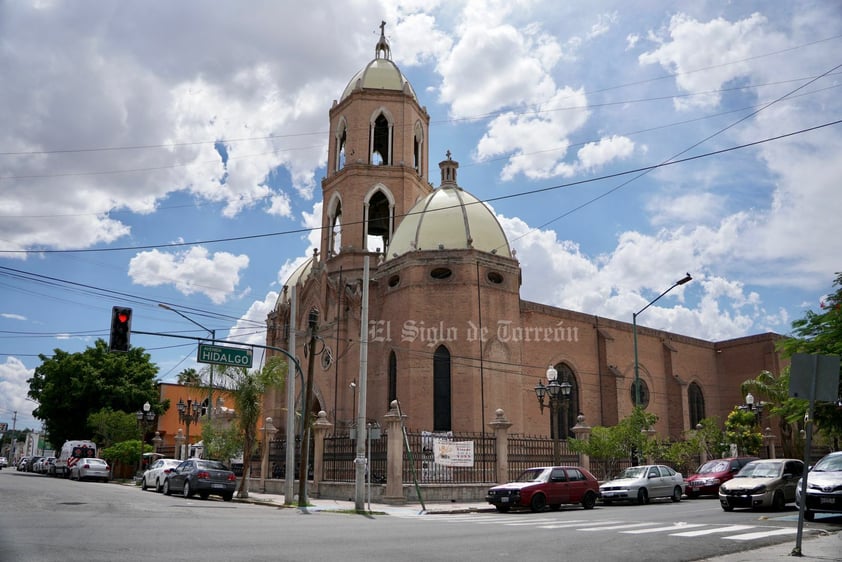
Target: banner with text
point(453, 453)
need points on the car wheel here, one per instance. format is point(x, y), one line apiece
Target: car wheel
point(642, 496)
point(778, 501)
point(538, 503)
point(143, 485)
point(186, 492)
point(589, 500)
point(167, 490)
point(676, 494)
point(158, 486)
point(810, 515)
point(502, 508)
point(727, 507)
point(228, 497)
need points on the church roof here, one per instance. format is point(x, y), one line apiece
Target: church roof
point(300, 273)
point(449, 218)
point(381, 73)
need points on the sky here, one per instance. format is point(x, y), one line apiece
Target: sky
point(172, 152)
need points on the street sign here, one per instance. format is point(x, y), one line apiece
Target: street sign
point(218, 355)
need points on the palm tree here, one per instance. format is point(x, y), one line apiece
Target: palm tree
point(247, 388)
point(774, 392)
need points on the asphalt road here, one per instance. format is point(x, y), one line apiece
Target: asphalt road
point(45, 519)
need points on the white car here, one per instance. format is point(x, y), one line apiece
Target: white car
point(642, 483)
point(156, 474)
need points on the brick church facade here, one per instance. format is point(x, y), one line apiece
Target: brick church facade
point(448, 334)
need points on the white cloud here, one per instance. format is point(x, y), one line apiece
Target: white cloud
point(11, 316)
point(13, 391)
point(193, 271)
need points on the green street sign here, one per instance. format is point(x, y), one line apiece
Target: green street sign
point(218, 355)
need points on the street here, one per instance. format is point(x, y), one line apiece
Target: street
point(47, 519)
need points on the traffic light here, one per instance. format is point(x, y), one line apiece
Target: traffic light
point(121, 328)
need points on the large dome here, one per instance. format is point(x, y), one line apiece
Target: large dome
point(449, 218)
point(381, 73)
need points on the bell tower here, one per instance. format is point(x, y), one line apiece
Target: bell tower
point(377, 161)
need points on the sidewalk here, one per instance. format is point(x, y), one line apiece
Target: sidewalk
point(824, 547)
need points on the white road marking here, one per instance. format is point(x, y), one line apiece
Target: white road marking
point(614, 527)
point(761, 534)
point(676, 527)
point(729, 529)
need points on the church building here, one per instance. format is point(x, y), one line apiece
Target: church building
point(448, 333)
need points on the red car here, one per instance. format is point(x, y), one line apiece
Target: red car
point(710, 475)
point(539, 487)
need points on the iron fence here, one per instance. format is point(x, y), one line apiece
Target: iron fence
point(526, 451)
point(421, 464)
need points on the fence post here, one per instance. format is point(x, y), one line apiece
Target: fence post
point(394, 455)
point(501, 426)
point(769, 441)
point(268, 430)
point(582, 432)
point(320, 428)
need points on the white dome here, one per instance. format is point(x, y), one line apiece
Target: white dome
point(449, 218)
point(381, 73)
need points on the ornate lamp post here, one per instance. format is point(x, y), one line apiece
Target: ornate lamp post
point(188, 413)
point(143, 416)
point(557, 393)
point(752, 406)
point(682, 281)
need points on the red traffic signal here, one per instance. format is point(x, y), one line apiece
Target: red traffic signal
point(121, 328)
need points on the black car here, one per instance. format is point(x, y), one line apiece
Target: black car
point(202, 477)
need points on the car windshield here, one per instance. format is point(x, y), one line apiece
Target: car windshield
point(760, 470)
point(829, 464)
point(531, 475)
point(713, 466)
point(634, 472)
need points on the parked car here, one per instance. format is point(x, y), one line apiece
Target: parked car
point(543, 486)
point(642, 483)
point(30, 464)
point(43, 465)
point(155, 475)
point(824, 487)
point(22, 464)
point(203, 477)
point(91, 469)
point(4, 462)
point(712, 474)
point(762, 483)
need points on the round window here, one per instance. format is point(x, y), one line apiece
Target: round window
point(441, 273)
point(394, 280)
point(494, 277)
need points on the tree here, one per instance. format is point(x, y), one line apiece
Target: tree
point(626, 440)
point(110, 427)
point(69, 387)
point(248, 388)
point(774, 392)
point(821, 333)
point(741, 430)
point(189, 377)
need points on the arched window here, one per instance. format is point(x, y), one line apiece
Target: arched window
point(379, 222)
point(341, 140)
point(381, 141)
point(335, 244)
point(417, 148)
point(393, 378)
point(696, 403)
point(644, 393)
point(441, 390)
point(569, 408)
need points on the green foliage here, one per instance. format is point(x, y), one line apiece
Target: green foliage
point(611, 444)
point(126, 452)
point(741, 429)
point(111, 427)
point(222, 440)
point(821, 333)
point(69, 387)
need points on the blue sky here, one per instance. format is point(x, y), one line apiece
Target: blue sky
point(164, 152)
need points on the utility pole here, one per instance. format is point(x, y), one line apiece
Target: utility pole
point(289, 458)
point(313, 321)
point(361, 461)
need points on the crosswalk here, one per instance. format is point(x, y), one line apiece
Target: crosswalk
point(673, 529)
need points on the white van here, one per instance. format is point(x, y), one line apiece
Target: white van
point(70, 454)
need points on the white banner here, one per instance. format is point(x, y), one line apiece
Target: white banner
point(453, 453)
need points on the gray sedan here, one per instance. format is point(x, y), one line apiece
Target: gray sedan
point(762, 483)
point(642, 483)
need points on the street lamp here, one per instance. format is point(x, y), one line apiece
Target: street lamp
point(188, 413)
point(751, 406)
point(682, 281)
point(144, 415)
point(213, 342)
point(556, 393)
point(353, 387)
